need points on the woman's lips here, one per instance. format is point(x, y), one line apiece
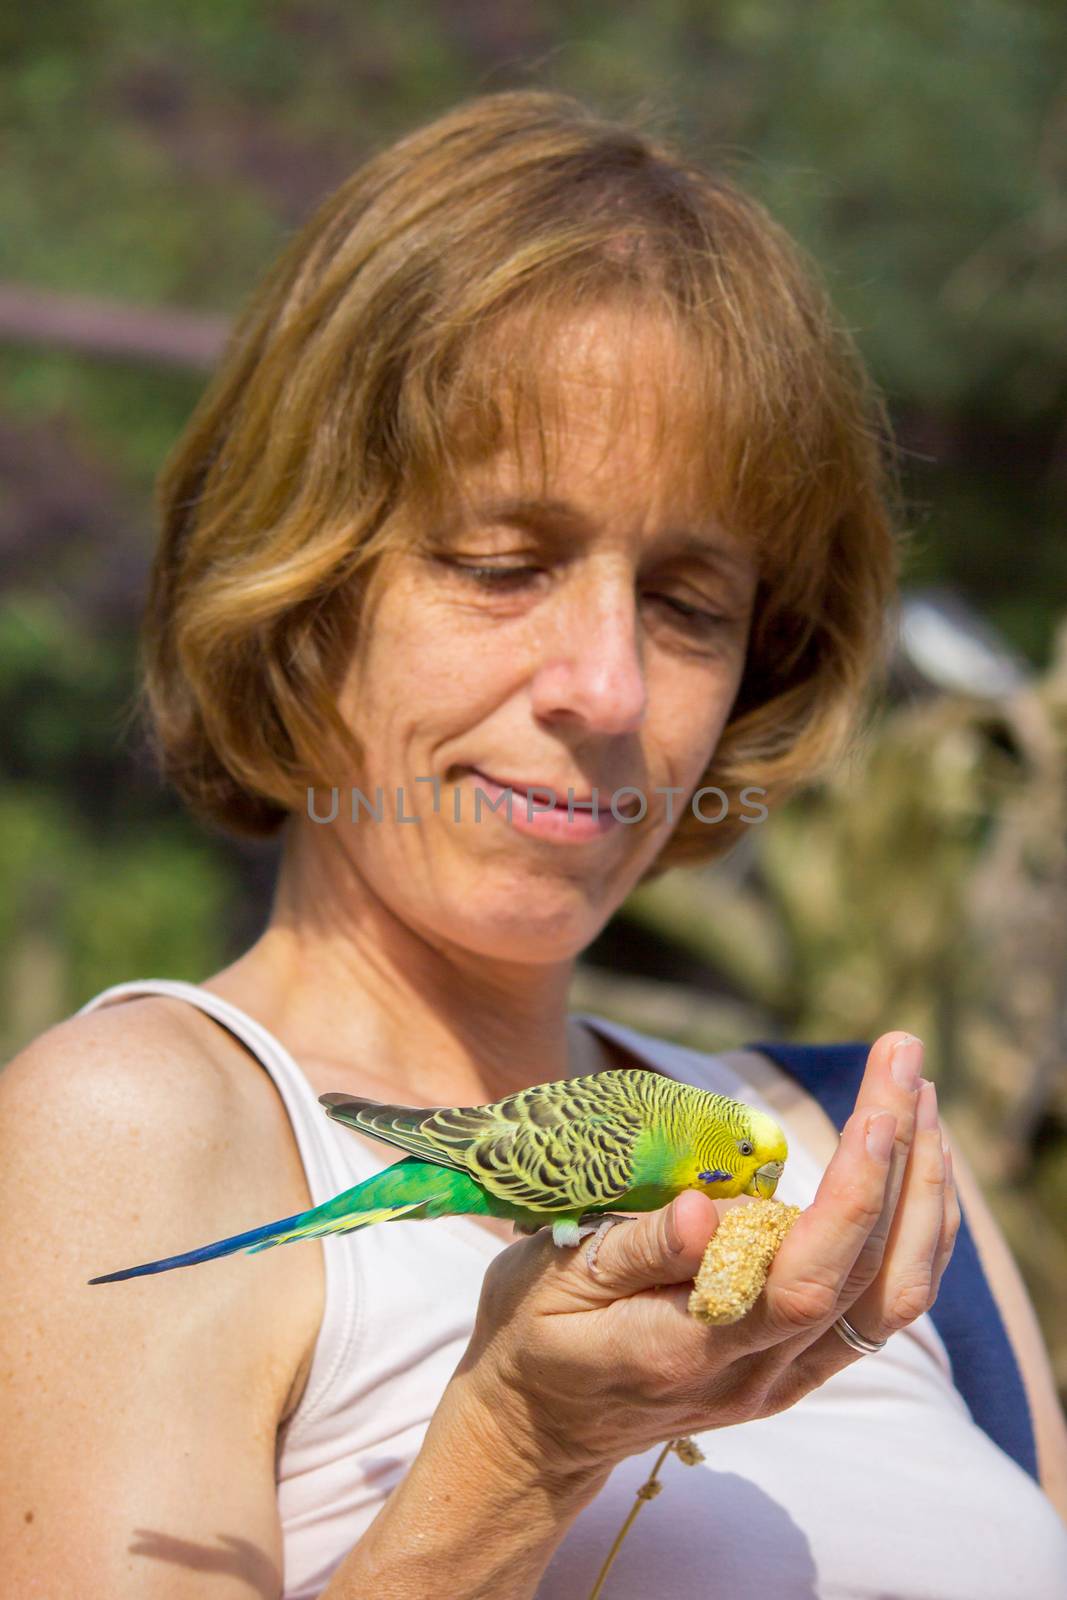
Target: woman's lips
point(518, 787)
point(573, 825)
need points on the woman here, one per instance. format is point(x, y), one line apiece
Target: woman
point(536, 461)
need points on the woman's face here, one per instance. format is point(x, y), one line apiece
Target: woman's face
point(595, 643)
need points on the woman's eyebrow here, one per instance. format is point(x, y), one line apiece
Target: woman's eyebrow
point(547, 515)
point(554, 516)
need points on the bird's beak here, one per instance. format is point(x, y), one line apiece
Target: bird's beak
point(765, 1180)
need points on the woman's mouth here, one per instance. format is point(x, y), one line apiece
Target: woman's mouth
point(528, 806)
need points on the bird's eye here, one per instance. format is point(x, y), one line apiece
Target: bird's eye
point(745, 1147)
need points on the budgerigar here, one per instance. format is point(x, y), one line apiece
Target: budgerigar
point(572, 1154)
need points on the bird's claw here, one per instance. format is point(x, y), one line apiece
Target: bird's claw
point(597, 1225)
point(570, 1232)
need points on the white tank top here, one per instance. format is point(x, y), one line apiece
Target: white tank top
point(876, 1486)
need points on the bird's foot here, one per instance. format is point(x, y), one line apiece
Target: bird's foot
point(596, 1223)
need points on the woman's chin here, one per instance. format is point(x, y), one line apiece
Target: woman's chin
point(534, 927)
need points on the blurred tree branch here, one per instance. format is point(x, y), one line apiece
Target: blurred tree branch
point(110, 329)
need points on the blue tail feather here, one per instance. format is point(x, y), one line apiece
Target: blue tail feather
point(206, 1252)
point(405, 1187)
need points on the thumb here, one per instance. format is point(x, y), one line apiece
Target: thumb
point(664, 1246)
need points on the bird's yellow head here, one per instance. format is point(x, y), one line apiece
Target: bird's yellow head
point(744, 1153)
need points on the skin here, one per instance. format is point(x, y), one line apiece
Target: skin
point(447, 950)
point(874, 1243)
point(431, 965)
point(809, 1122)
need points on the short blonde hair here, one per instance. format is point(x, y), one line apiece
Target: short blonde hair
point(368, 369)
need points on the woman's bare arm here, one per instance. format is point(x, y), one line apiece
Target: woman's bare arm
point(473, 1519)
point(137, 1419)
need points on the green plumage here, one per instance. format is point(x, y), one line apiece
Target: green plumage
point(554, 1153)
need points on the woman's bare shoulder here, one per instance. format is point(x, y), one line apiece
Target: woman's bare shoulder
point(156, 1056)
point(200, 1138)
point(119, 1144)
point(134, 1089)
point(144, 1047)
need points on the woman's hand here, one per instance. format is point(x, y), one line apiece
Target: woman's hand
point(580, 1371)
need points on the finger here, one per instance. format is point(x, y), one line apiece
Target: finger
point(829, 1354)
point(891, 1083)
point(667, 1246)
point(950, 1226)
point(656, 1247)
point(903, 1287)
point(838, 1223)
point(811, 1366)
point(815, 1261)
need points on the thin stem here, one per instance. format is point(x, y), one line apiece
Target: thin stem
point(646, 1492)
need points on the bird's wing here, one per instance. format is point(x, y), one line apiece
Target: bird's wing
point(553, 1147)
point(398, 1125)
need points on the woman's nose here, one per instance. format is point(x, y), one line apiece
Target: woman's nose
point(592, 668)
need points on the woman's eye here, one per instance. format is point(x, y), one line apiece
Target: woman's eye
point(494, 577)
point(693, 616)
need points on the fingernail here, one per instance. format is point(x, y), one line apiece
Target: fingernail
point(926, 1111)
point(905, 1060)
point(881, 1130)
point(674, 1242)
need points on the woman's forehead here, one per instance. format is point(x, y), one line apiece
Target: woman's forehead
point(604, 391)
point(578, 499)
point(629, 364)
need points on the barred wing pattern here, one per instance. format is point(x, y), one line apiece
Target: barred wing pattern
point(562, 1146)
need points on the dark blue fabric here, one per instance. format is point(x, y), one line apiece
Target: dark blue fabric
point(965, 1313)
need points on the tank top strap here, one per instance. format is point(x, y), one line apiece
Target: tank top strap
point(965, 1313)
point(324, 1170)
